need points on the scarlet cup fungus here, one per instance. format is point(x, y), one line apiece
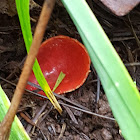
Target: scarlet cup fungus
point(62, 53)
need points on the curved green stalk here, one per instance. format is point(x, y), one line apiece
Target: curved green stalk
point(123, 97)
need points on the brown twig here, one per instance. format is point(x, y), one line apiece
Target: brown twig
point(73, 118)
point(34, 120)
point(27, 119)
point(5, 126)
point(62, 131)
point(73, 106)
point(133, 32)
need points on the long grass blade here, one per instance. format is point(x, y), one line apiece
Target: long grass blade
point(24, 17)
point(123, 97)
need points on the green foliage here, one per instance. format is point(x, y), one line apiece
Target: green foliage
point(123, 97)
point(17, 131)
point(121, 92)
point(24, 17)
point(59, 80)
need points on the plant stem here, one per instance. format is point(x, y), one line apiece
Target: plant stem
point(5, 126)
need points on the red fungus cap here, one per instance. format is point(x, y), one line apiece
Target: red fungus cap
point(62, 53)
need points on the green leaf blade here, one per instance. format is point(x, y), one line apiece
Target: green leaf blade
point(17, 130)
point(23, 13)
point(121, 92)
point(24, 17)
point(59, 80)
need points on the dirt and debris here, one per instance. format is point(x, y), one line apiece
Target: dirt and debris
point(45, 122)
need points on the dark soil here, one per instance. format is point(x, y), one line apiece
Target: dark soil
point(72, 124)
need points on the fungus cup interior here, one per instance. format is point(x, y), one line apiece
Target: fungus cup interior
point(62, 53)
